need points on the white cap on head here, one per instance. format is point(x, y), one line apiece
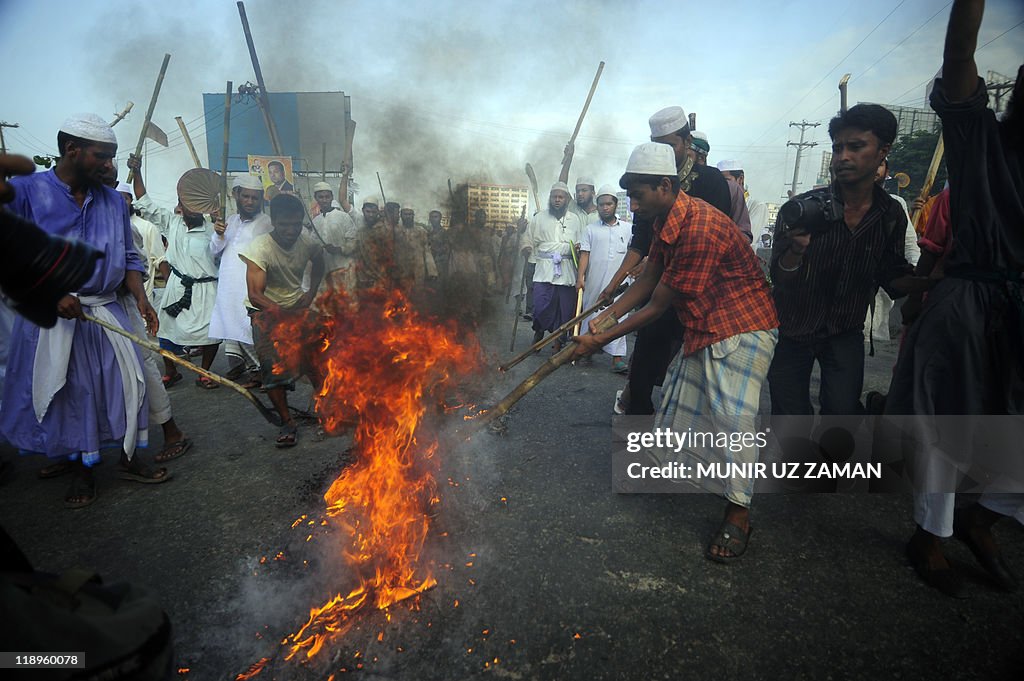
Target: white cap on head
point(585, 181)
point(124, 188)
point(247, 182)
point(652, 158)
point(608, 190)
point(322, 187)
point(560, 186)
point(371, 201)
point(406, 206)
point(698, 135)
point(88, 126)
point(667, 121)
point(730, 166)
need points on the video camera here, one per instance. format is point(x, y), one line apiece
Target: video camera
point(814, 212)
point(38, 269)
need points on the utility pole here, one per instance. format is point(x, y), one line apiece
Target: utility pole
point(5, 124)
point(800, 146)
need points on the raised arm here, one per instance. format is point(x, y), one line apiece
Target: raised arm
point(959, 70)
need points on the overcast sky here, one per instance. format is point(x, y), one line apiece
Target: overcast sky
point(474, 90)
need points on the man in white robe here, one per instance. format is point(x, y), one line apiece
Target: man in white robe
point(191, 290)
point(602, 249)
point(230, 320)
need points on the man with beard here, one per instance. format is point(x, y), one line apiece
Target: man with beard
point(439, 246)
point(584, 205)
point(191, 291)
point(229, 321)
point(416, 262)
point(553, 236)
point(73, 388)
point(963, 355)
point(324, 197)
point(274, 265)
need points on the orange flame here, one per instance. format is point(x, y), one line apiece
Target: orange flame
point(379, 368)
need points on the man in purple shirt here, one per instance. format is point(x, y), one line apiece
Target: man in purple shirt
point(77, 388)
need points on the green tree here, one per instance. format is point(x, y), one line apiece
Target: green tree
point(912, 154)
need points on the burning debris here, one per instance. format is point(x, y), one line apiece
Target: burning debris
point(382, 368)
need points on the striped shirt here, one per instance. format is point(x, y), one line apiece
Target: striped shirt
point(841, 271)
point(710, 265)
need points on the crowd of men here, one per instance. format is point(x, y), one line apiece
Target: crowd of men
point(710, 327)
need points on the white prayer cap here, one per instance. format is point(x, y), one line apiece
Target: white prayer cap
point(408, 206)
point(730, 166)
point(652, 158)
point(667, 121)
point(88, 126)
point(699, 141)
point(583, 180)
point(608, 190)
point(561, 187)
point(124, 188)
point(247, 182)
point(322, 187)
point(698, 135)
point(371, 201)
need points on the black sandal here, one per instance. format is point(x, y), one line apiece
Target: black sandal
point(732, 538)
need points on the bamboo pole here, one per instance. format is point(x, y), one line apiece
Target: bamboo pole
point(559, 331)
point(149, 345)
point(188, 141)
point(149, 111)
point(224, 158)
point(929, 179)
point(586, 105)
point(543, 371)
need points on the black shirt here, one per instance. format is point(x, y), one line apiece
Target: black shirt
point(841, 271)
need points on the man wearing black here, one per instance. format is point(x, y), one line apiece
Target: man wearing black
point(657, 343)
point(826, 269)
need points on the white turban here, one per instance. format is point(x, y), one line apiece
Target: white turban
point(322, 187)
point(89, 126)
point(247, 182)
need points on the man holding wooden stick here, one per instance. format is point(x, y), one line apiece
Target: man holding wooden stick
point(701, 265)
point(74, 387)
point(552, 237)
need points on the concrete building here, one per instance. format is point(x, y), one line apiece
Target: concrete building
point(503, 202)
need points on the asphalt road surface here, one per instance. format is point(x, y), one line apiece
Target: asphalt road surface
point(543, 572)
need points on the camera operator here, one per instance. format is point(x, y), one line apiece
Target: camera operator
point(833, 248)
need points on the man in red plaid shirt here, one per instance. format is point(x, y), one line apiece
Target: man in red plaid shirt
point(704, 267)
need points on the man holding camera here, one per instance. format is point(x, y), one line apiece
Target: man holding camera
point(833, 248)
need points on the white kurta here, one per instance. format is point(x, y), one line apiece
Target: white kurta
point(188, 251)
point(607, 245)
point(230, 320)
point(550, 236)
point(150, 245)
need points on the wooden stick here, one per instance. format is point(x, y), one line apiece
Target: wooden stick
point(188, 141)
point(586, 105)
point(149, 345)
point(929, 179)
point(149, 112)
point(323, 166)
point(542, 372)
point(579, 308)
point(120, 117)
point(559, 331)
point(224, 158)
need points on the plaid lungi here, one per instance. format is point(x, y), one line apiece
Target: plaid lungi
point(717, 390)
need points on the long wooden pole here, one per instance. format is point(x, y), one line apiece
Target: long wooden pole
point(149, 111)
point(149, 345)
point(929, 179)
point(586, 105)
point(559, 331)
point(188, 141)
point(263, 100)
point(224, 158)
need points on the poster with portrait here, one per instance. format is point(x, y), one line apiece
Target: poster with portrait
point(275, 172)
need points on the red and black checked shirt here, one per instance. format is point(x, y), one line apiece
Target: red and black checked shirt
point(709, 263)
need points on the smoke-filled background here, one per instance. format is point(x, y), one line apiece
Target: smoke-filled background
point(473, 91)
